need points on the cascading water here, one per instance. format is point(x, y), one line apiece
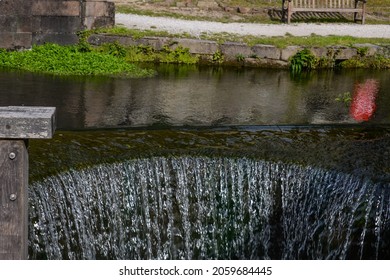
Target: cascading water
point(208, 208)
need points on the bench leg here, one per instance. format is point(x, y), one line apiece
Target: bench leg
point(289, 11)
point(364, 13)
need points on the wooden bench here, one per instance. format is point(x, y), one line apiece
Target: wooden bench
point(325, 6)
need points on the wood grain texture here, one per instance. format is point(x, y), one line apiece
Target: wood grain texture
point(13, 199)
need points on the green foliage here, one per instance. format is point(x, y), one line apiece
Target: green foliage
point(362, 51)
point(177, 55)
point(114, 49)
point(370, 62)
point(143, 53)
point(303, 60)
point(218, 57)
point(240, 57)
point(70, 60)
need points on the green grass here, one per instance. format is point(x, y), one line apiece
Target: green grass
point(70, 60)
point(279, 41)
point(137, 34)
point(314, 41)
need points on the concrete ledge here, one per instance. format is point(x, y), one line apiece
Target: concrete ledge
point(231, 50)
point(198, 46)
point(266, 51)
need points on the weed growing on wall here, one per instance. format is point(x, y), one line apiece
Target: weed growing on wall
point(303, 60)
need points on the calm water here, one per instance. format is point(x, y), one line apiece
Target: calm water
point(197, 97)
point(206, 163)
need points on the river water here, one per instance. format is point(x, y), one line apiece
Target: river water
point(210, 163)
point(197, 96)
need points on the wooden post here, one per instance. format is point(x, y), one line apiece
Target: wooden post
point(17, 125)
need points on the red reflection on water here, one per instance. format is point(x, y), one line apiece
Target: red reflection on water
point(363, 101)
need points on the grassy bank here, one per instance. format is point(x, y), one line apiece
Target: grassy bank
point(70, 60)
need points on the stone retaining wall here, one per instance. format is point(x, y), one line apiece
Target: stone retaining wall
point(257, 55)
point(27, 22)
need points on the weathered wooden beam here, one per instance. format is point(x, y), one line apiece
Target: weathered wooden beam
point(13, 199)
point(27, 122)
point(17, 125)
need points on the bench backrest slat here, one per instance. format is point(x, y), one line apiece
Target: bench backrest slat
point(332, 4)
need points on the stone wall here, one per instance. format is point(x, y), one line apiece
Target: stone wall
point(243, 54)
point(24, 23)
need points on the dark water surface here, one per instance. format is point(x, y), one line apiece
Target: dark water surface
point(197, 97)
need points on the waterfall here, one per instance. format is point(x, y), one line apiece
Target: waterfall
point(207, 208)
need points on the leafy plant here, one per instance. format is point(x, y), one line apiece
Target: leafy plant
point(218, 57)
point(114, 49)
point(303, 60)
point(240, 57)
point(177, 55)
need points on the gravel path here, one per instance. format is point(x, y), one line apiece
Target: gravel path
point(196, 28)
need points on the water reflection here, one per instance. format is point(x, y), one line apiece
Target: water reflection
point(195, 96)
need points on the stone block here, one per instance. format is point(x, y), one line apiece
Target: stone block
point(59, 24)
point(343, 53)
point(24, 24)
point(13, 40)
point(320, 51)
point(156, 43)
point(208, 5)
point(97, 22)
point(7, 39)
point(15, 24)
point(99, 39)
point(15, 7)
point(198, 46)
point(98, 9)
point(8, 23)
point(231, 49)
point(61, 39)
point(384, 50)
point(266, 51)
point(266, 63)
point(289, 52)
point(56, 8)
point(371, 48)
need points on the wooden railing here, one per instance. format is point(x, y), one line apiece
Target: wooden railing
point(357, 7)
point(17, 125)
